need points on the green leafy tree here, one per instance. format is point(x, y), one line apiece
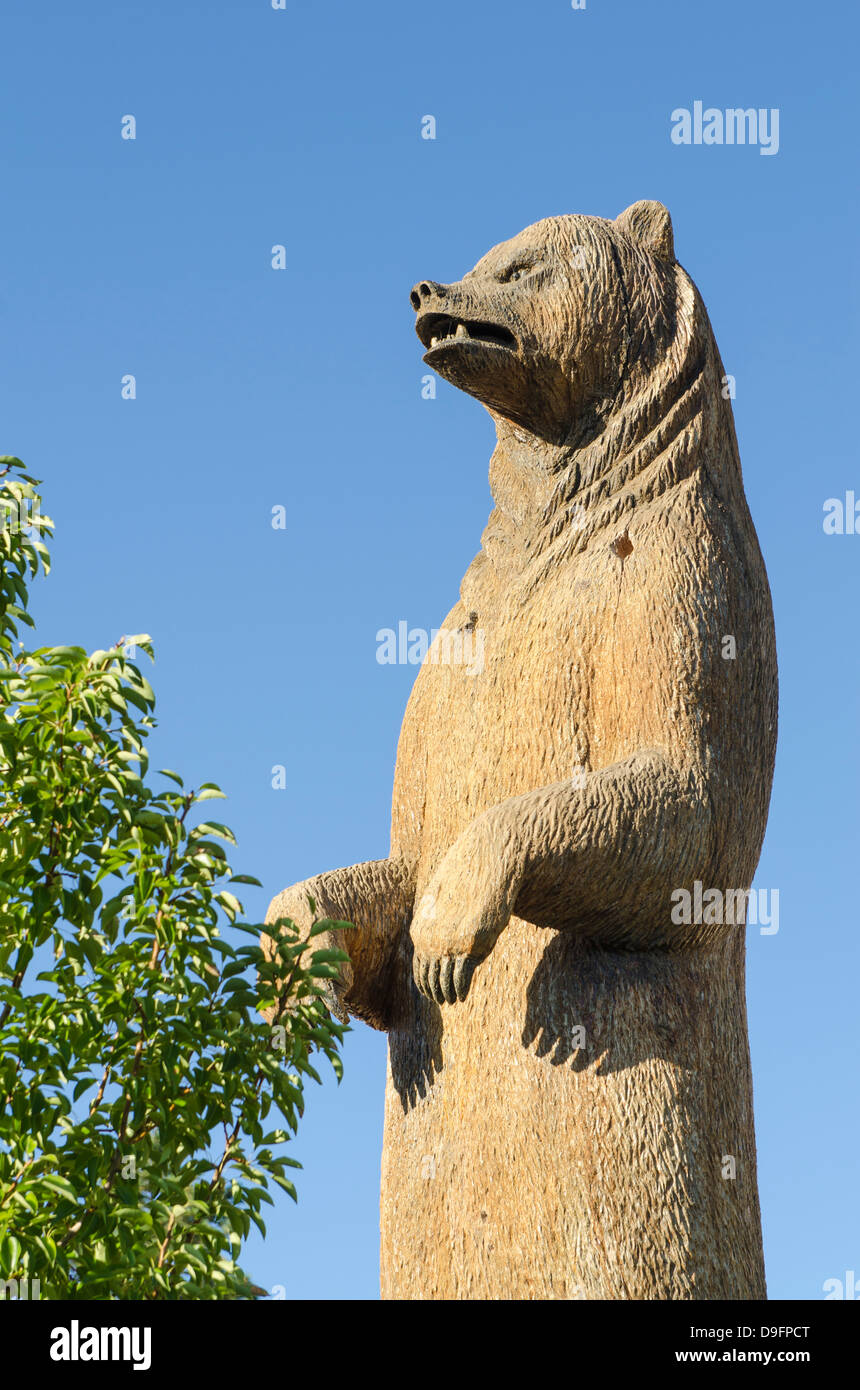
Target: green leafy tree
point(152, 1061)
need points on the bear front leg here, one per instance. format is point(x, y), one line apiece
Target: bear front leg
point(376, 897)
point(599, 856)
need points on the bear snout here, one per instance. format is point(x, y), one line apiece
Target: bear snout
point(424, 291)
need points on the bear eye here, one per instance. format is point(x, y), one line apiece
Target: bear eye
point(515, 272)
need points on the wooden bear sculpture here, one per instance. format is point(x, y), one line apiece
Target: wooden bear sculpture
point(569, 1102)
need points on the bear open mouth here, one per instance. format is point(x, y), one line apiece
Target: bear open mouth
point(439, 330)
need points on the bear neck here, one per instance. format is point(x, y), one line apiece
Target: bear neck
point(552, 501)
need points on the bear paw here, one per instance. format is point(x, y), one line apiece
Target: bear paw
point(467, 905)
point(445, 979)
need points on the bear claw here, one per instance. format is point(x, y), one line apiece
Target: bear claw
point(446, 979)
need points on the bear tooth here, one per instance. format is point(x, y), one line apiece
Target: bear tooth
point(433, 342)
point(462, 331)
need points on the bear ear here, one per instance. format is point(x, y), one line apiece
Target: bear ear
point(650, 225)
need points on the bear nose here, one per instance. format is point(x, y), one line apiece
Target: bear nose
point(426, 289)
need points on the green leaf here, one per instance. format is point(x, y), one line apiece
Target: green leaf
point(117, 982)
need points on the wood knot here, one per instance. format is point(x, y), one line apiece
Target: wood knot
point(622, 546)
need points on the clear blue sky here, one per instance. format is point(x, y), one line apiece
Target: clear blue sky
point(302, 388)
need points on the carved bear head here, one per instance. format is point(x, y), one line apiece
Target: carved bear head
point(555, 328)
